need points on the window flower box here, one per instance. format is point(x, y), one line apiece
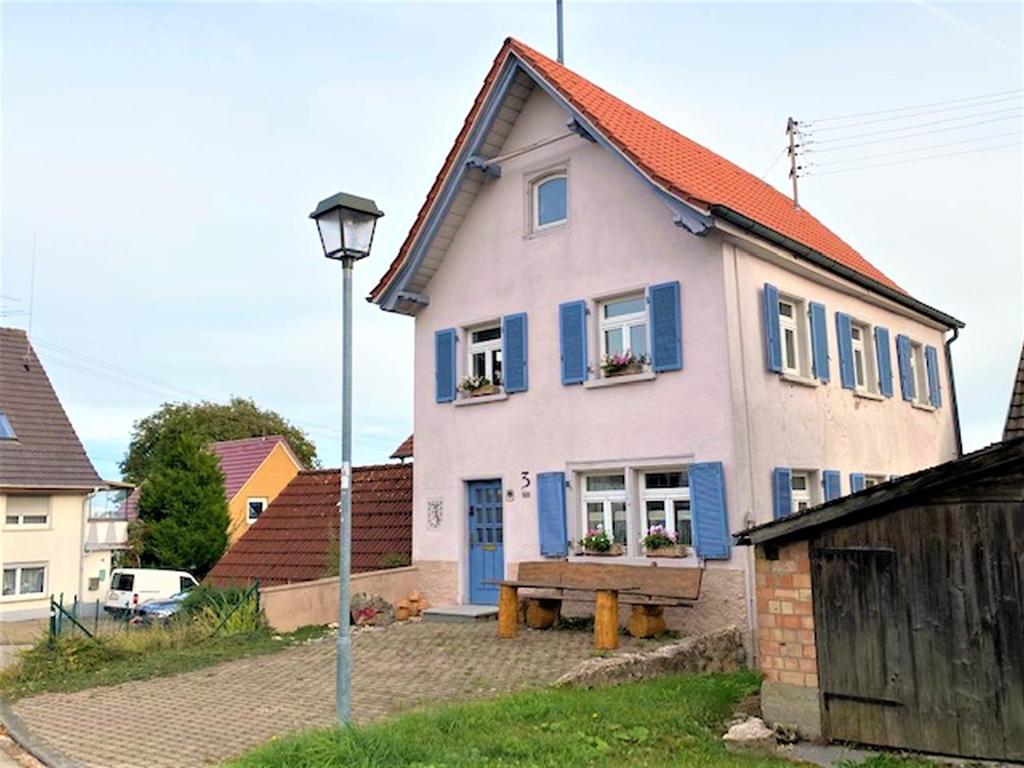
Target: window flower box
point(478, 386)
point(598, 543)
point(675, 550)
point(623, 365)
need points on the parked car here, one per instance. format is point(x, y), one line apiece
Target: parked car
point(132, 587)
point(160, 610)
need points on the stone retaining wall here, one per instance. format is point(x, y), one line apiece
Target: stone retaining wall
point(722, 651)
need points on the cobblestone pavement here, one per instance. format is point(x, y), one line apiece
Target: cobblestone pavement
point(206, 716)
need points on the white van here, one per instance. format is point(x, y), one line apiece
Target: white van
point(130, 587)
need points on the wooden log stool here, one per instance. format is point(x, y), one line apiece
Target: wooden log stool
point(647, 621)
point(542, 612)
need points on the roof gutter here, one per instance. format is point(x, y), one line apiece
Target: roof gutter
point(832, 265)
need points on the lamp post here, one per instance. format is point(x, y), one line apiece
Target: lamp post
point(346, 224)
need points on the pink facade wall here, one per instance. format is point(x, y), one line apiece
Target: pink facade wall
point(723, 406)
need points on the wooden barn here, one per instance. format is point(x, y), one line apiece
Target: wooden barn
point(895, 616)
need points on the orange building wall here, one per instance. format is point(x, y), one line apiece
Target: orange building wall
point(786, 617)
point(276, 471)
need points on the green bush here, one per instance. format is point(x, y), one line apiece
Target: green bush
point(222, 610)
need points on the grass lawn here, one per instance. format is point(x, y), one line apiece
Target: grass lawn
point(675, 721)
point(76, 663)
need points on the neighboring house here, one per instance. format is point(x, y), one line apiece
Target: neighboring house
point(1015, 415)
point(894, 617)
point(404, 451)
point(766, 365)
point(296, 538)
point(61, 523)
point(256, 470)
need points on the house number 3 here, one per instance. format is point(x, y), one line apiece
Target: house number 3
point(525, 487)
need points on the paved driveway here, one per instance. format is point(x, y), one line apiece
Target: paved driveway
point(212, 714)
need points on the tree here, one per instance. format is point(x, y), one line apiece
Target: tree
point(210, 422)
point(182, 504)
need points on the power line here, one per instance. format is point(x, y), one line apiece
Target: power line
point(886, 140)
point(917, 149)
point(915, 106)
point(776, 160)
point(901, 128)
point(917, 159)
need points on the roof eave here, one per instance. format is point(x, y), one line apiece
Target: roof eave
point(816, 257)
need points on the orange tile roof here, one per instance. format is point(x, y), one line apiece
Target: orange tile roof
point(681, 166)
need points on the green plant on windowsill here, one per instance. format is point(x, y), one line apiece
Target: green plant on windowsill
point(475, 386)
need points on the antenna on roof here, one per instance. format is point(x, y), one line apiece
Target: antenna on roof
point(31, 302)
point(561, 46)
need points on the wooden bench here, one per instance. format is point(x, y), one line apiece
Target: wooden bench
point(649, 589)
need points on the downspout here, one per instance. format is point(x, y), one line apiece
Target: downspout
point(952, 392)
point(81, 547)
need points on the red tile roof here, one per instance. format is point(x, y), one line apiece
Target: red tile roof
point(239, 459)
point(45, 452)
point(678, 164)
point(294, 537)
point(404, 451)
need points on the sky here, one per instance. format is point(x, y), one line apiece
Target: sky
point(161, 159)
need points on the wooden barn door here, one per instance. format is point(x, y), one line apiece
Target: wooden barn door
point(860, 659)
point(919, 621)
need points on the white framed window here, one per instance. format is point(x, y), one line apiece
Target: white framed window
point(623, 325)
point(665, 501)
point(484, 350)
point(254, 508)
point(549, 196)
point(918, 374)
point(604, 505)
point(865, 378)
point(27, 511)
point(23, 579)
point(794, 335)
point(802, 486)
point(871, 481)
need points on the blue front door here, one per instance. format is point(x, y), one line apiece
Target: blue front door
point(486, 542)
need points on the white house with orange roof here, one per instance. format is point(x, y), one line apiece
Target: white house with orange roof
point(617, 328)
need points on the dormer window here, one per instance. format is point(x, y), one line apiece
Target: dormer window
point(6, 430)
point(550, 195)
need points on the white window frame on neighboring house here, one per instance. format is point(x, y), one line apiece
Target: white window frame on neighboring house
point(627, 324)
point(608, 498)
point(18, 570)
point(30, 520)
point(262, 500)
point(535, 188)
point(865, 373)
point(794, 327)
point(667, 498)
point(803, 497)
point(490, 350)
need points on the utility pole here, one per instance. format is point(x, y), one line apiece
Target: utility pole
point(558, 14)
point(791, 133)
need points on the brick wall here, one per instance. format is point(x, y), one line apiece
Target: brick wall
point(785, 616)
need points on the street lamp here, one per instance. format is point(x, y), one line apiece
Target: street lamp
point(346, 224)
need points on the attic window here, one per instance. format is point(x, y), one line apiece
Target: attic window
point(6, 430)
point(550, 200)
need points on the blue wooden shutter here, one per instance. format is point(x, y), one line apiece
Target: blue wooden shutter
point(710, 514)
point(772, 339)
point(551, 524)
point(931, 361)
point(819, 342)
point(844, 340)
point(856, 482)
point(782, 492)
point(514, 356)
point(444, 365)
point(884, 360)
point(663, 308)
point(572, 327)
point(903, 352)
point(830, 481)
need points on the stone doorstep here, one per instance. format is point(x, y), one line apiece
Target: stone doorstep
point(461, 613)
